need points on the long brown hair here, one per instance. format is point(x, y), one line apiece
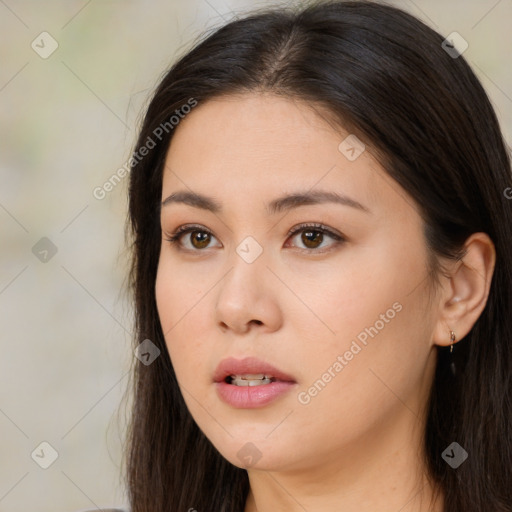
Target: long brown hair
point(383, 74)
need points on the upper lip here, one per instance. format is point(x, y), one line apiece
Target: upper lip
point(248, 365)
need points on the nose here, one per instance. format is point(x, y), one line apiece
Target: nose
point(247, 298)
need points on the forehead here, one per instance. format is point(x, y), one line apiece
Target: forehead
point(255, 147)
point(264, 125)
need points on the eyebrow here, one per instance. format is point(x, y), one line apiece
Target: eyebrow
point(278, 205)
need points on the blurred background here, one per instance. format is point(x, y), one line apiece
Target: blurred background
point(74, 78)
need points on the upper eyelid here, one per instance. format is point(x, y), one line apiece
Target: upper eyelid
point(314, 226)
point(185, 228)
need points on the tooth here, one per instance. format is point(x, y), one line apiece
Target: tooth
point(252, 382)
point(259, 382)
point(249, 376)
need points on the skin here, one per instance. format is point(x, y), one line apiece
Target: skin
point(357, 444)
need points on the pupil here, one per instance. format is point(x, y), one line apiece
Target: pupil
point(310, 237)
point(202, 240)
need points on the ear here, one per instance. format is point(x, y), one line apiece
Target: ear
point(465, 292)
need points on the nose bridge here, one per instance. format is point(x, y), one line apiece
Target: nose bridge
point(245, 295)
point(249, 250)
point(247, 264)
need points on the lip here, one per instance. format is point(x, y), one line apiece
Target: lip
point(248, 365)
point(250, 397)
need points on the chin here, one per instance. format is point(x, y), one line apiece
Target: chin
point(260, 455)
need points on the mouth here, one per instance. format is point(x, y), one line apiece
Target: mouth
point(249, 380)
point(249, 372)
point(250, 383)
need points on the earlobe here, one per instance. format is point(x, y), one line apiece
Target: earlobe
point(467, 290)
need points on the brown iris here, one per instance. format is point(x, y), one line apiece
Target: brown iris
point(202, 238)
point(312, 237)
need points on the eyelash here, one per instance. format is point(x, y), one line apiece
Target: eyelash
point(188, 228)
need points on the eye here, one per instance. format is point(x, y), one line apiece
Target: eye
point(312, 235)
point(200, 238)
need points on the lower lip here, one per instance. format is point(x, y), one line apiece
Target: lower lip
point(250, 397)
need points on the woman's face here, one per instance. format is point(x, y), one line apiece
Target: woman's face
point(341, 309)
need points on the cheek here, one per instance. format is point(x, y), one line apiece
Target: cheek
point(374, 313)
point(392, 269)
point(180, 289)
point(343, 298)
point(181, 299)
